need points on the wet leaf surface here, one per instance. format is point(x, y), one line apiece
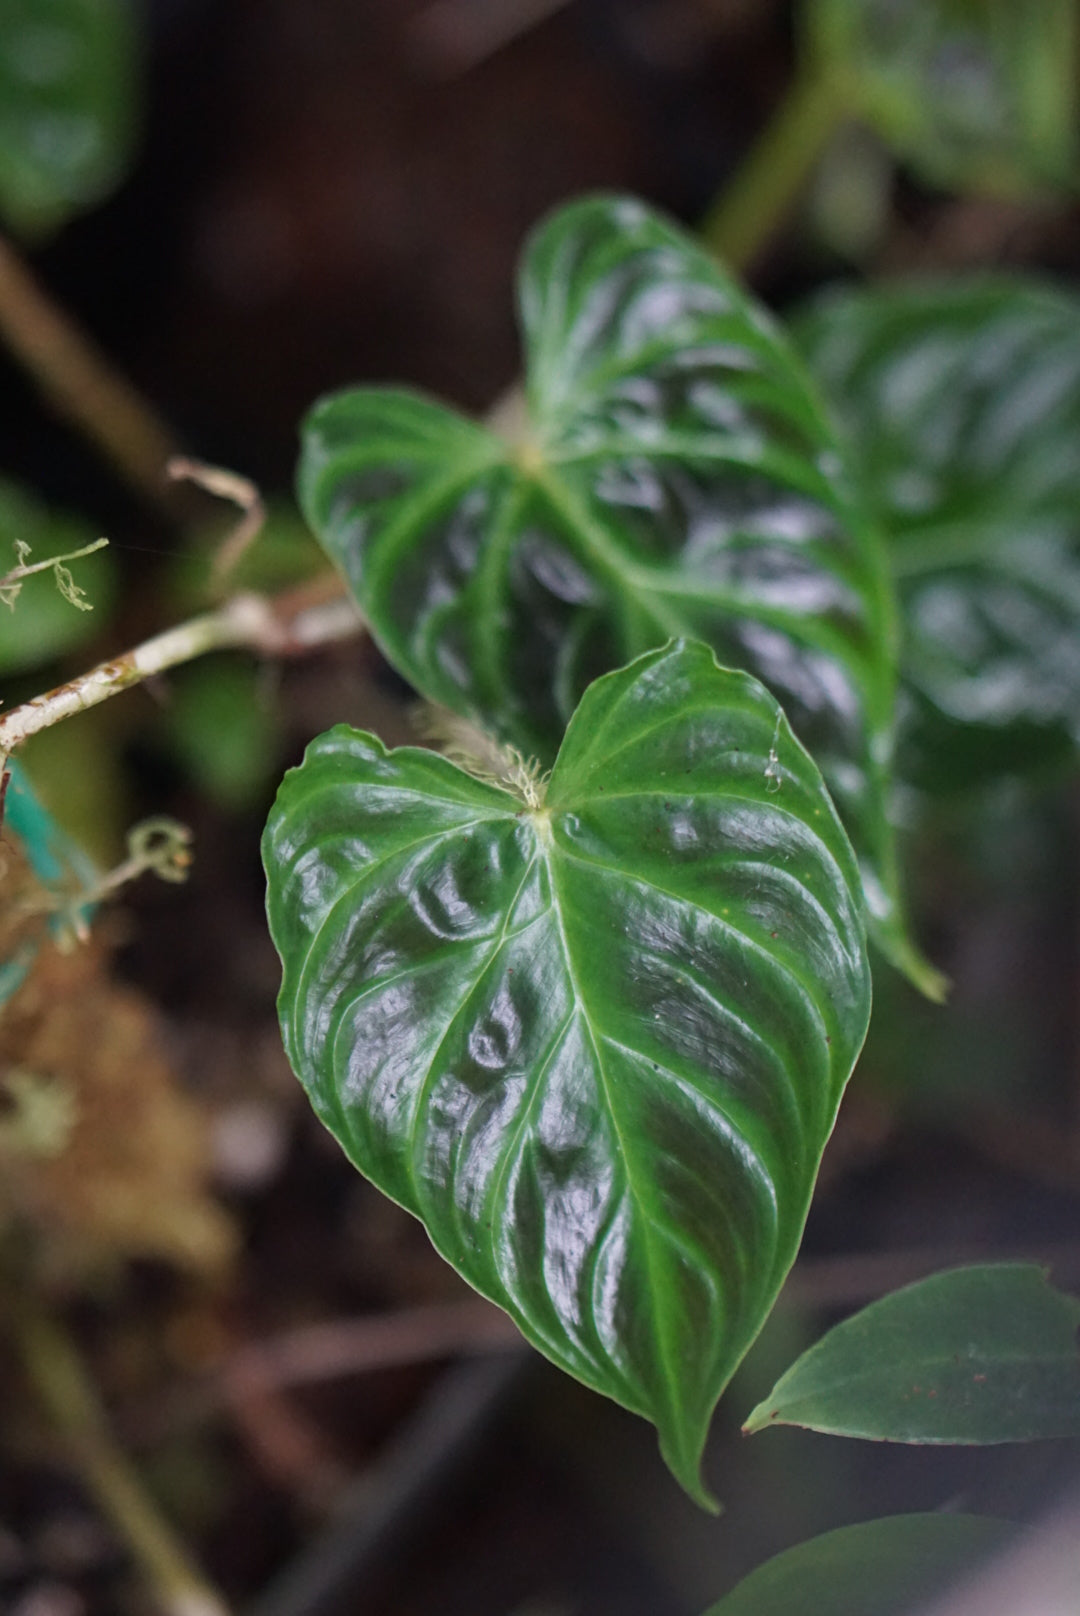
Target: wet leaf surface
point(596, 1043)
point(675, 476)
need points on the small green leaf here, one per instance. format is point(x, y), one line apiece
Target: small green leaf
point(67, 92)
point(677, 476)
point(975, 94)
point(596, 1043)
point(40, 623)
point(878, 1568)
point(962, 402)
point(987, 1354)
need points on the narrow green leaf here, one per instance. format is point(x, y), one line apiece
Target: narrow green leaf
point(677, 476)
point(596, 1043)
point(878, 1568)
point(975, 94)
point(962, 402)
point(40, 624)
point(987, 1354)
point(67, 92)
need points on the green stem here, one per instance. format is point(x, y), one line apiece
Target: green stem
point(67, 1393)
point(751, 209)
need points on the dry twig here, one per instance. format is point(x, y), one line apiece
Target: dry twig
point(80, 382)
point(338, 1349)
point(287, 625)
point(240, 491)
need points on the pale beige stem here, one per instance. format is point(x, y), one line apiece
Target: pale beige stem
point(240, 491)
point(287, 626)
point(79, 381)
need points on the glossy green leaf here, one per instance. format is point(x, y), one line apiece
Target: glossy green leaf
point(962, 402)
point(878, 1568)
point(68, 74)
point(676, 476)
point(986, 1354)
point(597, 1044)
point(976, 94)
point(41, 624)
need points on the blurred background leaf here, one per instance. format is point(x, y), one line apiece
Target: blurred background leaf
point(976, 95)
point(962, 402)
point(878, 1568)
point(68, 93)
point(223, 729)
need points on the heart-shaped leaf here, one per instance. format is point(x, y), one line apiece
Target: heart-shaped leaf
point(877, 1568)
point(595, 1041)
point(676, 476)
point(986, 1354)
point(962, 402)
point(67, 92)
point(976, 94)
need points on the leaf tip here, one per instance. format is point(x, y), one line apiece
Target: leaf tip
point(685, 1466)
point(932, 983)
point(759, 1419)
point(700, 1494)
point(912, 963)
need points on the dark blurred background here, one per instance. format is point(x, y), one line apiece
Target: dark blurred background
point(332, 190)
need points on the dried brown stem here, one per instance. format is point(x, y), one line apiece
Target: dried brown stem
point(80, 382)
point(338, 1349)
point(286, 626)
point(240, 491)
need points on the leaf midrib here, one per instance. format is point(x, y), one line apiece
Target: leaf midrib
point(646, 583)
point(974, 541)
point(418, 508)
point(798, 986)
point(645, 1213)
point(931, 1363)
